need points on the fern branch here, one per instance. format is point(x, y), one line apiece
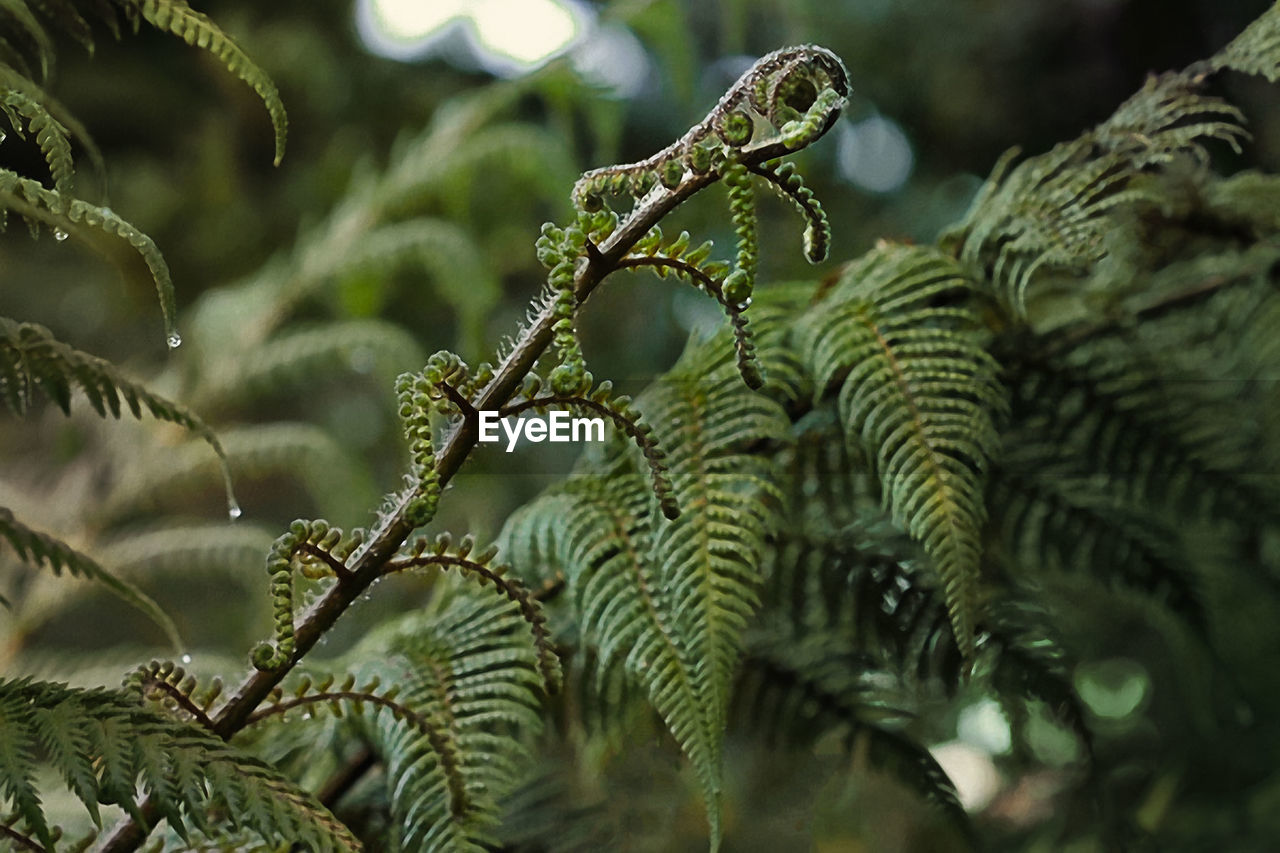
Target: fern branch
point(398, 522)
point(106, 747)
point(625, 420)
point(21, 840)
point(511, 588)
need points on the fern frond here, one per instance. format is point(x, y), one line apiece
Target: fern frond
point(304, 356)
point(620, 412)
point(106, 747)
point(801, 687)
point(1053, 212)
point(788, 183)
point(708, 560)
point(67, 18)
point(446, 252)
point(300, 451)
point(306, 546)
point(50, 135)
point(1110, 415)
point(469, 668)
point(195, 28)
point(40, 549)
point(1057, 519)
point(63, 213)
point(30, 357)
point(921, 395)
point(598, 531)
point(28, 35)
point(444, 555)
point(322, 694)
point(691, 265)
point(175, 690)
point(19, 84)
point(1256, 50)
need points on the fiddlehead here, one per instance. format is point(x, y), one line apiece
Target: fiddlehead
point(797, 92)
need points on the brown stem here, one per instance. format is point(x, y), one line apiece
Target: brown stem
point(183, 700)
point(345, 777)
point(20, 839)
point(335, 565)
point(369, 561)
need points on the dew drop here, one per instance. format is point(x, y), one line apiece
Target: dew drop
point(186, 658)
point(59, 234)
point(174, 340)
point(234, 511)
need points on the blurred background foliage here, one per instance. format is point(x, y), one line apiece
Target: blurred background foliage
point(402, 220)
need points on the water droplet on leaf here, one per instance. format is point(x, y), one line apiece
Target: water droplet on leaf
point(234, 511)
point(186, 658)
point(174, 340)
point(59, 234)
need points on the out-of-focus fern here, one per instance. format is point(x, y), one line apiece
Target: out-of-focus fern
point(41, 550)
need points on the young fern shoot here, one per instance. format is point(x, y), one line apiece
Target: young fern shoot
point(786, 101)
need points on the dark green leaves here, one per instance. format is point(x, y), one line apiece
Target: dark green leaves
point(896, 341)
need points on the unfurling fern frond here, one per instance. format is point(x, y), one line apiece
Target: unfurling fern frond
point(40, 549)
point(106, 747)
point(619, 411)
point(442, 554)
point(920, 394)
point(468, 668)
point(711, 277)
point(313, 547)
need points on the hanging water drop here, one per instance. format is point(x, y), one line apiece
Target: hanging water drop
point(186, 658)
point(174, 340)
point(234, 511)
point(59, 234)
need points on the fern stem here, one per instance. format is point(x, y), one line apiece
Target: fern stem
point(370, 561)
point(355, 696)
point(20, 839)
point(340, 571)
point(346, 777)
point(183, 700)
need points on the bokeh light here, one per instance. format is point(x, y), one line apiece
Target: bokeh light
point(504, 37)
point(874, 154)
point(972, 771)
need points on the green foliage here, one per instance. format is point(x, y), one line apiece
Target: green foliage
point(104, 746)
point(980, 477)
point(43, 551)
point(469, 669)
